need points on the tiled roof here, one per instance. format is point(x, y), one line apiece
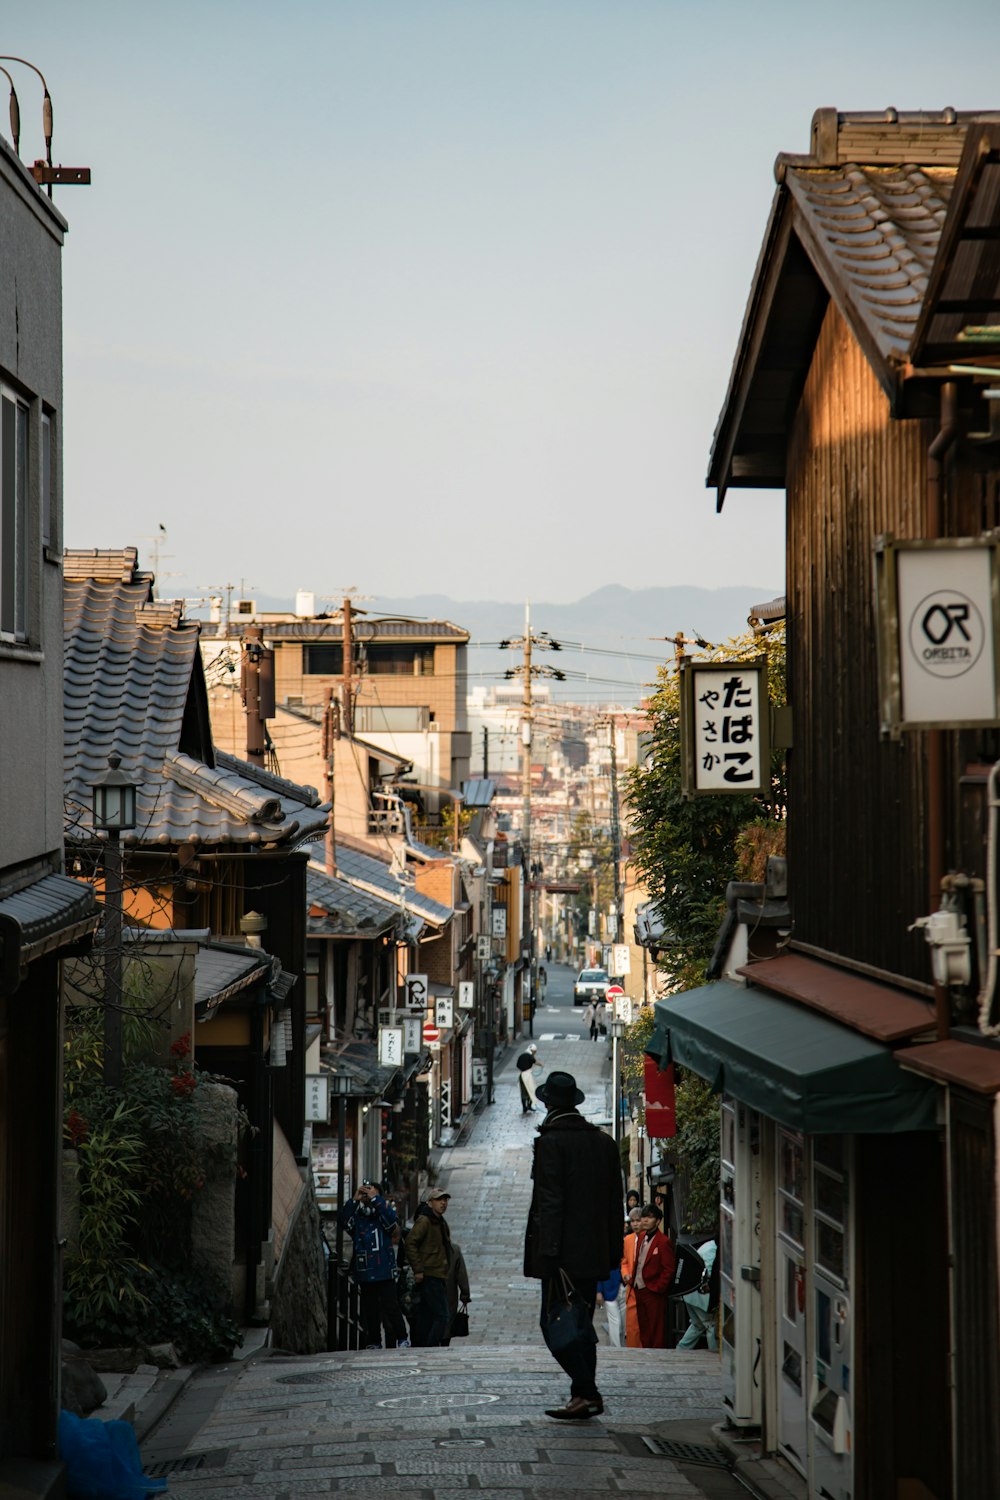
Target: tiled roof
point(858, 222)
point(372, 875)
point(874, 233)
point(346, 910)
point(134, 685)
point(221, 972)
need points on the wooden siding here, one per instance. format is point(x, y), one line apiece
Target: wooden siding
point(856, 834)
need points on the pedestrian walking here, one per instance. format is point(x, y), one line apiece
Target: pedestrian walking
point(458, 1287)
point(701, 1307)
point(633, 1236)
point(632, 1200)
point(611, 1296)
point(370, 1221)
point(428, 1249)
point(590, 1019)
point(573, 1236)
point(526, 1063)
point(655, 1263)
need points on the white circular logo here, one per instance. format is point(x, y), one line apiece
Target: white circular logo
point(947, 633)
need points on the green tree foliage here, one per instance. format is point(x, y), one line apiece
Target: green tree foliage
point(143, 1157)
point(687, 850)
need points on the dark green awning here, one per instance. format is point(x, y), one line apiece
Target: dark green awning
point(787, 1062)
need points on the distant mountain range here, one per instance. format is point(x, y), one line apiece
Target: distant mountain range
point(612, 638)
point(620, 629)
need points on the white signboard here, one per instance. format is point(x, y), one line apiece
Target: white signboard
point(317, 1096)
point(479, 1075)
point(444, 1012)
point(499, 921)
point(416, 992)
point(390, 1046)
point(623, 1009)
point(413, 1033)
point(466, 995)
point(728, 731)
point(620, 959)
point(483, 947)
point(946, 641)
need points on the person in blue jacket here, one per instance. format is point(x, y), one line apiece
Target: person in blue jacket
point(370, 1221)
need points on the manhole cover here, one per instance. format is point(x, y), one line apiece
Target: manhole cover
point(366, 1374)
point(437, 1401)
point(185, 1465)
point(687, 1453)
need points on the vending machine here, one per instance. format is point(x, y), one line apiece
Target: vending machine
point(739, 1263)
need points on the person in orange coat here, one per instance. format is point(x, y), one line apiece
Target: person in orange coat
point(655, 1263)
point(632, 1242)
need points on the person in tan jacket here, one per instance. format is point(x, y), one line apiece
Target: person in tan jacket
point(428, 1249)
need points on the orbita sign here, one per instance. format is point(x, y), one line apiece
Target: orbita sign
point(938, 617)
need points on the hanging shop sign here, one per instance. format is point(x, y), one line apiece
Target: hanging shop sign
point(466, 994)
point(938, 616)
point(444, 1012)
point(317, 1097)
point(390, 1046)
point(725, 738)
point(499, 921)
point(415, 987)
point(413, 1034)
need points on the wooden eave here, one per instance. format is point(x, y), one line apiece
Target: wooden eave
point(964, 286)
point(780, 327)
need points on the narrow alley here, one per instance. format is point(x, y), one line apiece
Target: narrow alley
point(428, 1422)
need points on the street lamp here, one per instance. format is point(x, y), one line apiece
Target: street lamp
point(113, 812)
point(617, 1034)
point(341, 1084)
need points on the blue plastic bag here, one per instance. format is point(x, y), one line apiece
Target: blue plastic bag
point(102, 1460)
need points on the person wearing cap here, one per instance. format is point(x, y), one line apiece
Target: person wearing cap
point(573, 1236)
point(370, 1221)
point(527, 1061)
point(428, 1249)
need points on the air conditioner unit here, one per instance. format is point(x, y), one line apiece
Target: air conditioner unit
point(387, 1018)
point(246, 608)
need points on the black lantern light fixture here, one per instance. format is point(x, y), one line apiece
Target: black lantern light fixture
point(113, 813)
point(114, 799)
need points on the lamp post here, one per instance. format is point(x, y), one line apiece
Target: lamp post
point(113, 812)
point(617, 1033)
point(338, 1315)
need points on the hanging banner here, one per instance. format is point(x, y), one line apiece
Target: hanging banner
point(661, 1108)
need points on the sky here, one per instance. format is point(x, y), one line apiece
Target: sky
point(440, 296)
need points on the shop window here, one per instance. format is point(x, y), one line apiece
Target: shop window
point(791, 1187)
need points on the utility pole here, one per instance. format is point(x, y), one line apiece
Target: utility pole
point(528, 672)
point(331, 733)
point(348, 668)
point(257, 691)
point(486, 752)
point(616, 840)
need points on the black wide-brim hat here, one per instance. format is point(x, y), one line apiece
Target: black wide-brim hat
point(559, 1091)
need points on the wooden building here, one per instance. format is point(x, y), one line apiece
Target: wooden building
point(864, 385)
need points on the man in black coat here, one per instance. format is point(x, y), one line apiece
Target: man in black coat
point(574, 1236)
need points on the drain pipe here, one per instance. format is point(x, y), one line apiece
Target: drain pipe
point(987, 1025)
point(934, 528)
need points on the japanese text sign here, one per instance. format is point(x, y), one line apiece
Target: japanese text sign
point(724, 727)
point(416, 992)
point(390, 1046)
point(444, 1012)
point(317, 1097)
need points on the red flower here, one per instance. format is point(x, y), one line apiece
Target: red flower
point(76, 1127)
point(182, 1046)
point(183, 1084)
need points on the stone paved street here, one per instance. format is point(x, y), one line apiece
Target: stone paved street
point(434, 1422)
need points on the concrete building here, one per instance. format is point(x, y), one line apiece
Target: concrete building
point(42, 913)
